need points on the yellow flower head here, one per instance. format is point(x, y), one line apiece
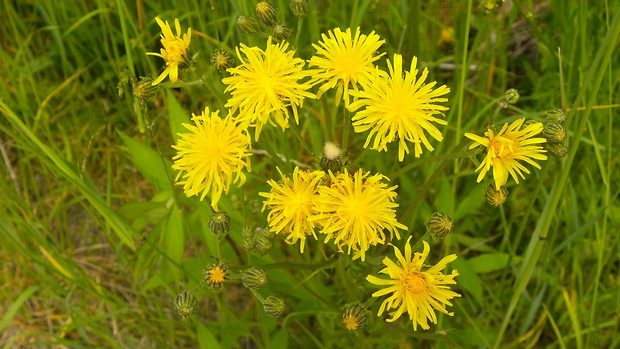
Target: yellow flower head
point(413, 290)
point(266, 84)
point(399, 106)
point(216, 275)
point(290, 205)
point(355, 209)
point(175, 51)
point(512, 144)
point(344, 60)
point(210, 155)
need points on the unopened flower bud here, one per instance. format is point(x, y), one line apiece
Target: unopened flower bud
point(254, 277)
point(511, 96)
point(331, 157)
point(554, 132)
point(186, 304)
point(221, 60)
point(247, 25)
point(557, 116)
point(267, 14)
point(299, 7)
point(219, 223)
point(354, 316)
point(281, 32)
point(274, 305)
point(144, 89)
point(494, 197)
point(559, 150)
point(439, 225)
point(262, 244)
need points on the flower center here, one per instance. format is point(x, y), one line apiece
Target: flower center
point(414, 282)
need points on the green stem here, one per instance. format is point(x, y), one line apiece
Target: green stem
point(136, 101)
point(449, 156)
point(300, 138)
point(279, 162)
point(347, 128)
point(419, 243)
point(358, 159)
point(317, 266)
point(298, 34)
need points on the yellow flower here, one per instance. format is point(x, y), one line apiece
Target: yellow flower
point(290, 205)
point(512, 144)
point(355, 209)
point(267, 83)
point(209, 156)
point(344, 60)
point(416, 291)
point(216, 275)
point(399, 106)
point(175, 51)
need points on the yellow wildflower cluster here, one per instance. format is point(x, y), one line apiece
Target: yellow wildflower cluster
point(351, 209)
point(355, 210)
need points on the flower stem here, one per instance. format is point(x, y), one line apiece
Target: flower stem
point(298, 34)
point(317, 266)
point(303, 142)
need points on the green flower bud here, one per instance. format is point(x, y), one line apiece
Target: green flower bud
point(511, 96)
point(354, 316)
point(274, 305)
point(124, 78)
point(144, 90)
point(281, 32)
point(439, 225)
point(554, 132)
point(299, 7)
point(186, 304)
point(557, 116)
point(247, 25)
point(254, 277)
point(219, 223)
point(494, 197)
point(559, 150)
point(221, 60)
point(262, 244)
point(266, 13)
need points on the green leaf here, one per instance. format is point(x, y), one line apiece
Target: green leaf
point(10, 313)
point(489, 262)
point(468, 279)
point(151, 165)
point(206, 339)
point(174, 240)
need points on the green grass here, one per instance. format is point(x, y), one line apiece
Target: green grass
point(98, 241)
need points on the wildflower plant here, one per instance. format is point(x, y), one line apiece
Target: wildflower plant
point(312, 182)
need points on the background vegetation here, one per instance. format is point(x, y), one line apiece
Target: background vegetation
point(97, 242)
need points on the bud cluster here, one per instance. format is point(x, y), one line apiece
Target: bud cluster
point(269, 20)
point(258, 241)
point(555, 133)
